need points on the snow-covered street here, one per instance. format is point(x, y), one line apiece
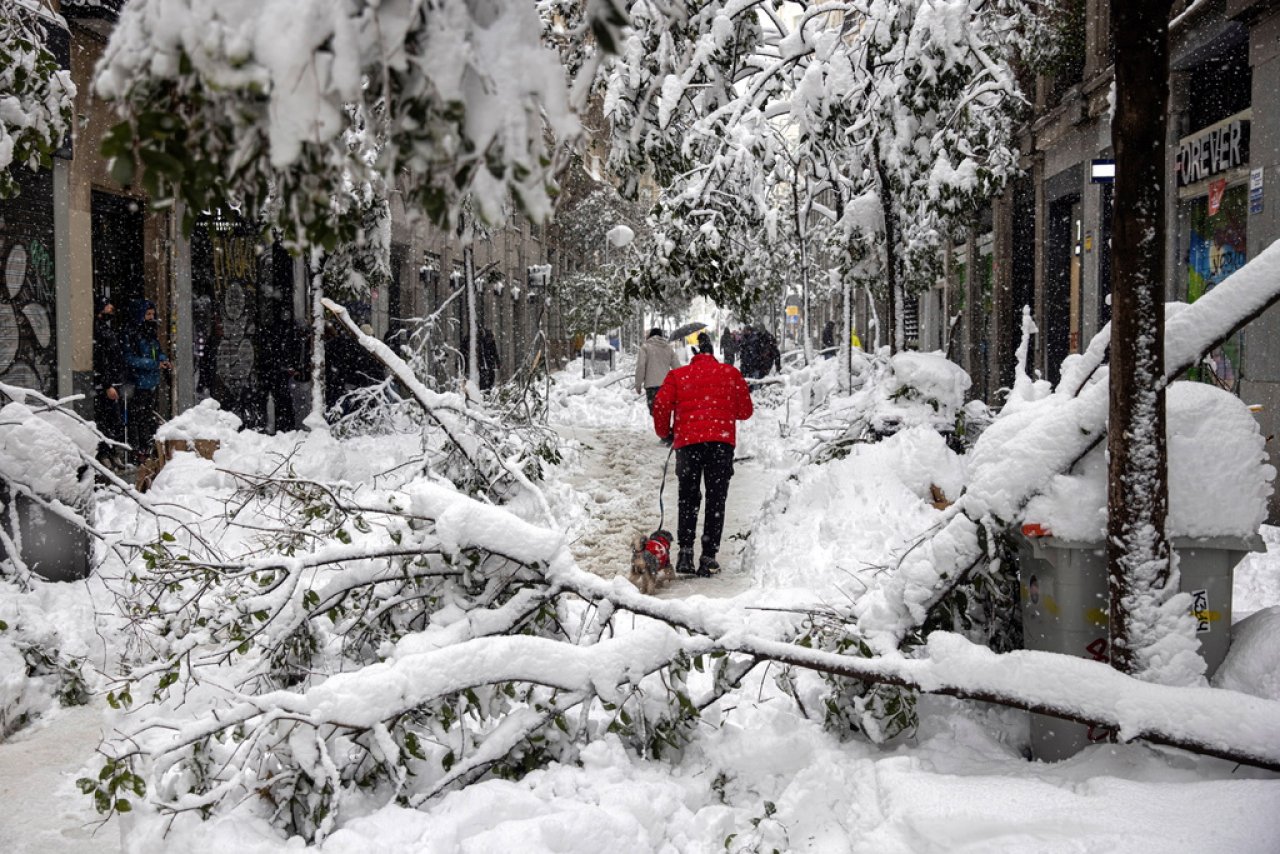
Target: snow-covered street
point(762, 772)
point(43, 812)
point(337, 338)
point(620, 475)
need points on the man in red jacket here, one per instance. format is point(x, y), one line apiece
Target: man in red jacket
point(704, 399)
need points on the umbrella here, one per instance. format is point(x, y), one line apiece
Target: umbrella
point(686, 330)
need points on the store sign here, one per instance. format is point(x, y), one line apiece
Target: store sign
point(1208, 153)
point(1255, 191)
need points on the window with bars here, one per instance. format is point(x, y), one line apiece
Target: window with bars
point(911, 320)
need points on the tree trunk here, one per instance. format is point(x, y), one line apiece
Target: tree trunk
point(890, 247)
point(1138, 569)
point(315, 419)
point(473, 327)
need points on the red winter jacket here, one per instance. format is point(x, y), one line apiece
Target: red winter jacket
point(706, 397)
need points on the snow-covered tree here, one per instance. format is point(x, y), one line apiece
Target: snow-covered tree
point(1151, 629)
point(912, 101)
point(250, 99)
point(36, 96)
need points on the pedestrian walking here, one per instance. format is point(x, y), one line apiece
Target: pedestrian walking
point(699, 405)
point(729, 346)
point(108, 377)
point(770, 355)
point(655, 361)
point(146, 362)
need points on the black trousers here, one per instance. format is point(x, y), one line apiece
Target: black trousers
point(651, 392)
point(709, 463)
point(144, 420)
point(108, 415)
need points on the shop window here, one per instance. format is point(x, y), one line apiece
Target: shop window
point(1216, 248)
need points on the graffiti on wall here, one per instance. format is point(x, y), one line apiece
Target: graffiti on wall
point(1216, 249)
point(235, 273)
point(27, 346)
point(226, 266)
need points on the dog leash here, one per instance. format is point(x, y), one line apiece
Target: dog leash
point(662, 513)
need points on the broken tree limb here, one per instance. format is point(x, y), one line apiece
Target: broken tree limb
point(1027, 448)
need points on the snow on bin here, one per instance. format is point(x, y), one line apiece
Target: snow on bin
point(203, 429)
point(597, 357)
point(40, 456)
point(1219, 484)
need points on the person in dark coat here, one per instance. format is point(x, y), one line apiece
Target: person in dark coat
point(147, 363)
point(769, 353)
point(487, 353)
point(829, 339)
point(729, 346)
point(754, 356)
point(108, 376)
point(701, 404)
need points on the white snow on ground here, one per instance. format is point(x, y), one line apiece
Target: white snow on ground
point(40, 808)
point(761, 775)
point(616, 467)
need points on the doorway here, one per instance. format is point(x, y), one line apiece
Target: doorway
point(117, 251)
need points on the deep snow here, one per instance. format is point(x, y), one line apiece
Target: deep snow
point(760, 775)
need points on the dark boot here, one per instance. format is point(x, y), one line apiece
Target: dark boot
point(684, 564)
point(707, 566)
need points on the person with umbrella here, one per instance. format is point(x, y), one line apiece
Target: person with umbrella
point(700, 405)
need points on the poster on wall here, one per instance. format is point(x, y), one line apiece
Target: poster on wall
point(27, 296)
point(1216, 249)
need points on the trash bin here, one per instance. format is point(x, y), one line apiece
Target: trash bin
point(51, 547)
point(1065, 603)
point(597, 361)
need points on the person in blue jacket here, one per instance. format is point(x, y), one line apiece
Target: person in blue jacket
point(146, 362)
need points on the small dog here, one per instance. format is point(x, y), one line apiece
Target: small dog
point(651, 561)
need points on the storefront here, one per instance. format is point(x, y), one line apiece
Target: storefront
point(1212, 169)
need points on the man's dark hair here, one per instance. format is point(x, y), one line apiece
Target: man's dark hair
point(704, 344)
point(657, 330)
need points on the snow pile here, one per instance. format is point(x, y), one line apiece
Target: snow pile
point(205, 420)
point(828, 528)
point(1252, 665)
point(932, 378)
point(1215, 449)
point(913, 388)
point(44, 633)
point(46, 461)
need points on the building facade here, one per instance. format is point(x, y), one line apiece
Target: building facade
point(1050, 232)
